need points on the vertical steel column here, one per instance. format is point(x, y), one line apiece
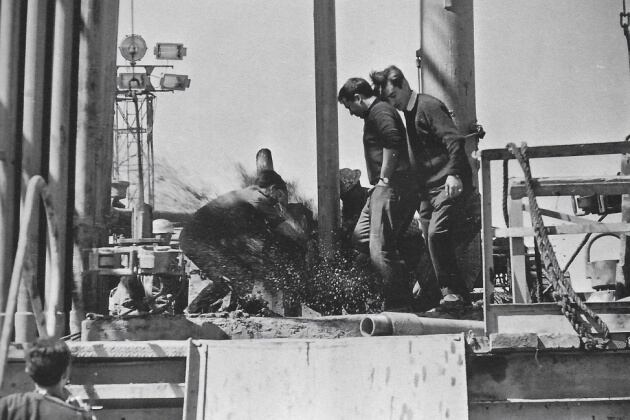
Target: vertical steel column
point(448, 63)
point(60, 132)
point(32, 151)
point(11, 32)
point(327, 127)
point(95, 105)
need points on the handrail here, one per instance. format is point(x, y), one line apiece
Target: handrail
point(46, 320)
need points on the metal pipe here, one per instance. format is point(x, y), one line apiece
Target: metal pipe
point(448, 64)
point(32, 144)
point(11, 30)
point(399, 323)
point(95, 107)
point(326, 124)
point(60, 138)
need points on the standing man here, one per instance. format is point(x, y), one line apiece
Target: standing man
point(444, 174)
point(394, 198)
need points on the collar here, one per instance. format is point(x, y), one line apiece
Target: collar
point(412, 101)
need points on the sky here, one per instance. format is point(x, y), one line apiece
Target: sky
point(546, 73)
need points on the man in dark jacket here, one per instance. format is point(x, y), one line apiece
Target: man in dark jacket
point(443, 171)
point(48, 364)
point(394, 198)
point(227, 238)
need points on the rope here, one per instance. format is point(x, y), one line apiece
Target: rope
point(624, 21)
point(572, 306)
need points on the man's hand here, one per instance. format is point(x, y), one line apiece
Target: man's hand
point(453, 186)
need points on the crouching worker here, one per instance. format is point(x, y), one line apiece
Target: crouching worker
point(48, 364)
point(227, 238)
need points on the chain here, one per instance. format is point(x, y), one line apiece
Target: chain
point(572, 306)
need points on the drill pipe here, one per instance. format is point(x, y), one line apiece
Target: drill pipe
point(398, 323)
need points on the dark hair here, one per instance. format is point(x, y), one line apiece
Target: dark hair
point(268, 178)
point(47, 360)
point(390, 74)
point(353, 86)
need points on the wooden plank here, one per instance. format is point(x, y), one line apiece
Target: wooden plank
point(546, 318)
point(192, 381)
point(561, 150)
point(563, 229)
point(576, 408)
point(132, 395)
point(549, 375)
point(486, 239)
point(561, 216)
point(518, 256)
point(146, 413)
point(571, 186)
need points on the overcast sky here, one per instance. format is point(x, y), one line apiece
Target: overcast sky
point(546, 73)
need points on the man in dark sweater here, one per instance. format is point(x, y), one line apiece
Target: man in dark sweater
point(394, 198)
point(48, 364)
point(229, 237)
point(443, 173)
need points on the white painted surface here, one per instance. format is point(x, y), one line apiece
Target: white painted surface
point(409, 377)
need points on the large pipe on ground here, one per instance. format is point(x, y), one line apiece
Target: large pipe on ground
point(399, 323)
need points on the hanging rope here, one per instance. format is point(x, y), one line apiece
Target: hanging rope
point(579, 315)
point(624, 21)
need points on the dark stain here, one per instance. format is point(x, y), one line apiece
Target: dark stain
point(445, 356)
point(460, 360)
point(372, 376)
point(387, 374)
point(453, 381)
point(308, 353)
point(410, 347)
point(424, 373)
point(495, 366)
point(416, 380)
point(406, 413)
point(447, 413)
point(453, 347)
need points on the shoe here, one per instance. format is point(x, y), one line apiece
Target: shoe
point(451, 299)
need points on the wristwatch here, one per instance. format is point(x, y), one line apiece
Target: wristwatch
point(384, 179)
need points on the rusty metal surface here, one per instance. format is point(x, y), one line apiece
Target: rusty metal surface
point(603, 409)
point(354, 378)
point(549, 375)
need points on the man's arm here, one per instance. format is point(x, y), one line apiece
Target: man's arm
point(393, 137)
point(443, 128)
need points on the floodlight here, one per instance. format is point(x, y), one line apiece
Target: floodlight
point(133, 81)
point(175, 82)
point(169, 51)
point(133, 48)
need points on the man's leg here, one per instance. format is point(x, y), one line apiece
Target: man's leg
point(361, 233)
point(390, 215)
point(441, 245)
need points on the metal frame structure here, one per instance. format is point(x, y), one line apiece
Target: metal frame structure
point(522, 316)
point(130, 130)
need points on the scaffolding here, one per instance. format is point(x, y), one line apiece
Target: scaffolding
point(133, 159)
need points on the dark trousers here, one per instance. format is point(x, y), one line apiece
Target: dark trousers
point(439, 214)
point(383, 220)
